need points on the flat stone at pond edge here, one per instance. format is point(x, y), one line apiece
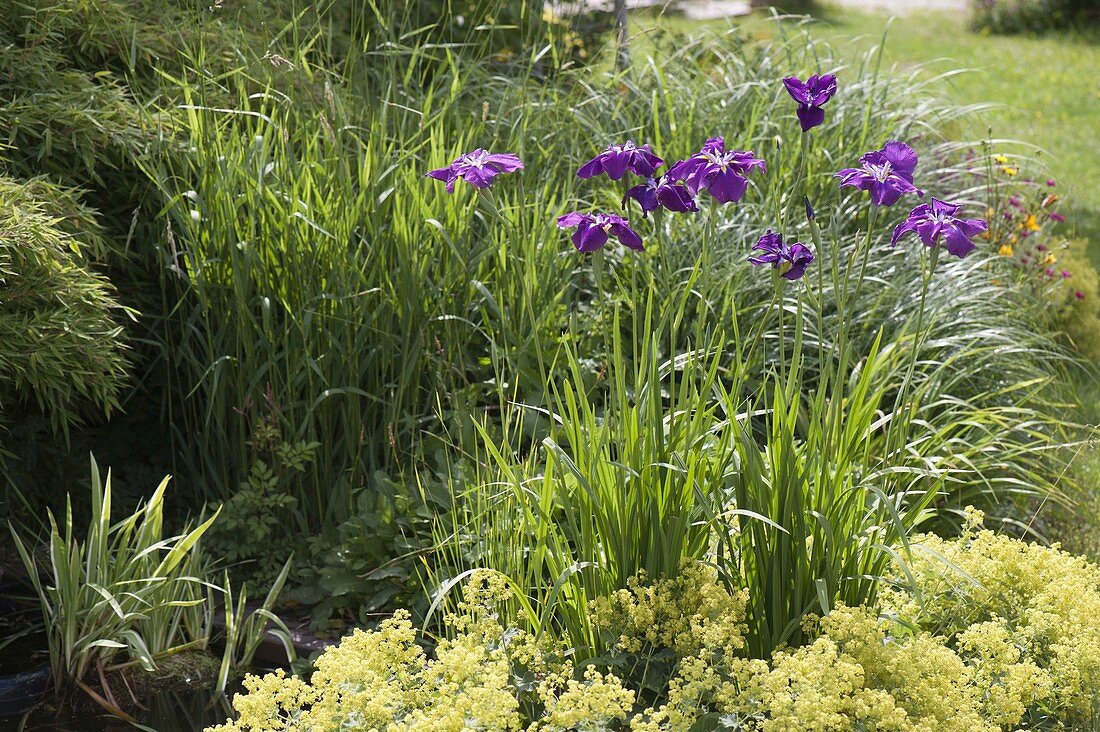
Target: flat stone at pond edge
point(692, 9)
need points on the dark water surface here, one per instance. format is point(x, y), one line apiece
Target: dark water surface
point(175, 711)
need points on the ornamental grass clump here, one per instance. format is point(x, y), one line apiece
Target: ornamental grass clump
point(128, 593)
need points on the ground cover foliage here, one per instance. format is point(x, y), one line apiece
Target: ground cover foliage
point(1001, 637)
point(405, 387)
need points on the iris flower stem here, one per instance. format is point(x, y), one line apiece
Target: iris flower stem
point(710, 236)
point(919, 338)
point(850, 296)
point(486, 200)
point(781, 297)
point(747, 356)
point(803, 164)
point(597, 271)
point(872, 219)
point(815, 237)
point(798, 320)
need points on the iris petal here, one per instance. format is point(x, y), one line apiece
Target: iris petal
point(798, 90)
point(957, 242)
point(676, 198)
point(589, 238)
point(505, 162)
point(627, 237)
point(478, 177)
point(727, 187)
point(591, 169)
point(569, 220)
point(901, 157)
point(614, 164)
point(810, 117)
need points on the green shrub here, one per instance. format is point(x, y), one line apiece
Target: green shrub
point(1028, 16)
point(1078, 301)
point(74, 76)
point(62, 351)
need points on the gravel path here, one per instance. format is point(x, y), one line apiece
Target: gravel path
point(711, 9)
point(902, 6)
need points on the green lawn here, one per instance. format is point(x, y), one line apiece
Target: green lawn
point(1046, 90)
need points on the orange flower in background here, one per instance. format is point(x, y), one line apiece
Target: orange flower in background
point(1005, 250)
point(1031, 223)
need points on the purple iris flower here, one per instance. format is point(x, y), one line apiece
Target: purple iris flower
point(617, 159)
point(811, 95)
point(936, 220)
point(478, 168)
point(714, 169)
point(790, 259)
point(658, 192)
point(886, 173)
point(594, 229)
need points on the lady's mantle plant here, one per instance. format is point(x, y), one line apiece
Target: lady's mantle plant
point(677, 649)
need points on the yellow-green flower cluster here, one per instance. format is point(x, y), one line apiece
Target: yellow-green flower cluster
point(382, 680)
point(818, 687)
point(691, 620)
point(1005, 636)
point(690, 612)
point(591, 705)
point(856, 675)
point(927, 681)
point(1026, 617)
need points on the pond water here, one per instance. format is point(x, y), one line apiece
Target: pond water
point(174, 711)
